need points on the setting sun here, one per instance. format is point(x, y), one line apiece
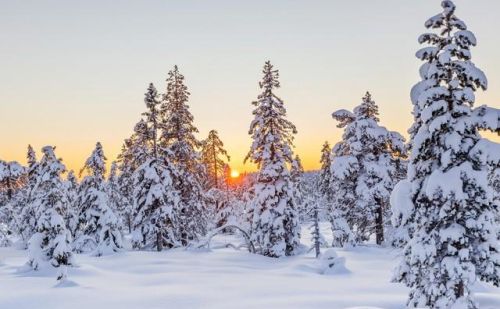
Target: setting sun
point(235, 174)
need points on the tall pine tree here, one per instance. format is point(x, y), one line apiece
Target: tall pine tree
point(212, 150)
point(155, 200)
point(450, 208)
point(275, 226)
point(179, 144)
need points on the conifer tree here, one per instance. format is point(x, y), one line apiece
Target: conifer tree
point(365, 168)
point(113, 191)
point(72, 214)
point(325, 174)
point(179, 145)
point(212, 150)
point(275, 226)
point(134, 153)
point(154, 197)
point(50, 245)
point(12, 183)
point(98, 229)
point(450, 203)
point(342, 196)
point(27, 212)
point(298, 183)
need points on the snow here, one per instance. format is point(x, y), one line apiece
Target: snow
point(221, 278)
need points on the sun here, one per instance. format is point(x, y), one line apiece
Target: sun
point(235, 174)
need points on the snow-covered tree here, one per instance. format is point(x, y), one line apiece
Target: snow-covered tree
point(179, 145)
point(212, 150)
point(72, 214)
point(317, 239)
point(275, 224)
point(155, 200)
point(98, 229)
point(365, 167)
point(299, 186)
point(113, 191)
point(446, 199)
point(341, 196)
point(12, 182)
point(50, 245)
point(134, 153)
point(27, 212)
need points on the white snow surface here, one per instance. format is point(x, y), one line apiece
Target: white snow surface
point(219, 278)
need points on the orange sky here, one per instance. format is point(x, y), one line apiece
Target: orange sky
point(73, 73)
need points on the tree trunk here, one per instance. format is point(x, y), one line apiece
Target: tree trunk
point(159, 244)
point(379, 224)
point(316, 231)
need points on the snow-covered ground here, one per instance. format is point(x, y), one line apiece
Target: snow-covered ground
point(219, 278)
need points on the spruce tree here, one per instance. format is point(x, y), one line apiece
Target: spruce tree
point(12, 183)
point(113, 192)
point(98, 229)
point(71, 188)
point(27, 213)
point(212, 150)
point(50, 245)
point(134, 153)
point(366, 166)
point(275, 226)
point(341, 196)
point(155, 200)
point(179, 146)
point(451, 204)
point(299, 186)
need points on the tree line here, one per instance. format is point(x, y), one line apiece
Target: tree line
point(435, 196)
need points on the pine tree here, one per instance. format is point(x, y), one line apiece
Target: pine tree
point(450, 206)
point(113, 191)
point(365, 167)
point(50, 245)
point(317, 238)
point(211, 151)
point(325, 174)
point(134, 154)
point(179, 145)
point(71, 189)
point(155, 200)
point(275, 226)
point(27, 212)
point(98, 229)
point(12, 182)
point(341, 196)
point(298, 183)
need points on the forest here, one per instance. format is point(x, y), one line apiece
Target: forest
point(432, 199)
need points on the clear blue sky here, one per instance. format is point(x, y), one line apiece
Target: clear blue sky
point(74, 72)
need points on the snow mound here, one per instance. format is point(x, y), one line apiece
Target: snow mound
point(66, 284)
point(332, 264)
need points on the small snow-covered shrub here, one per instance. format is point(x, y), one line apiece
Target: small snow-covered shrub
point(4, 236)
point(331, 263)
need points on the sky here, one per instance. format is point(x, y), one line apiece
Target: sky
point(75, 72)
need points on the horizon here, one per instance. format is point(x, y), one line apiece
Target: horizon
point(82, 79)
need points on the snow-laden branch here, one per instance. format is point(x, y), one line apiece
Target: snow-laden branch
point(487, 118)
point(208, 239)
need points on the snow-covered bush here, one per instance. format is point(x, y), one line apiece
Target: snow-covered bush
point(51, 244)
point(97, 229)
point(332, 264)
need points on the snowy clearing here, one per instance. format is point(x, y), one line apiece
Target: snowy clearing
point(220, 278)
